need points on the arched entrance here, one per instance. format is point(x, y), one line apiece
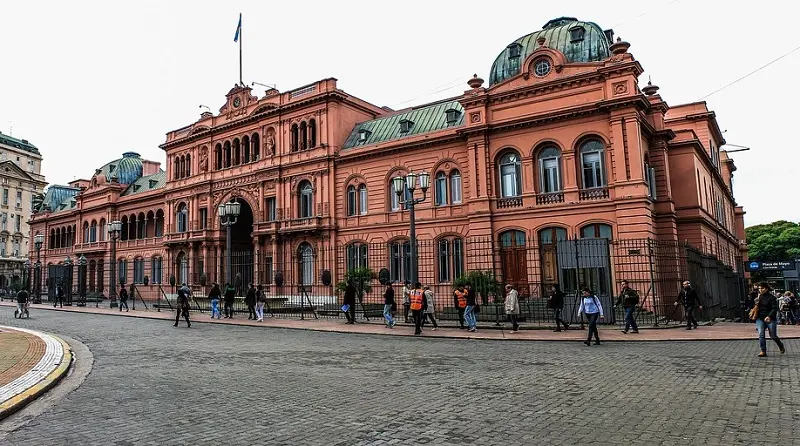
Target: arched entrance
point(242, 247)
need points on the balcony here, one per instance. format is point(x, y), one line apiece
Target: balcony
point(302, 224)
point(550, 198)
point(266, 227)
point(511, 202)
point(142, 242)
point(92, 246)
point(597, 193)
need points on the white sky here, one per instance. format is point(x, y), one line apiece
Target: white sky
point(86, 81)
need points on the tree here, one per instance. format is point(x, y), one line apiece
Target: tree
point(484, 283)
point(362, 280)
point(778, 240)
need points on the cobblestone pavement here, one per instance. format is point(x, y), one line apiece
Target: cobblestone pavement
point(215, 384)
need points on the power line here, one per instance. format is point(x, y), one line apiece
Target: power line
point(439, 89)
point(644, 14)
point(751, 73)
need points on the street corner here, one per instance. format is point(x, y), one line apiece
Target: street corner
point(32, 363)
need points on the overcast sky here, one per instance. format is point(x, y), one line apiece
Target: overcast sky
point(86, 81)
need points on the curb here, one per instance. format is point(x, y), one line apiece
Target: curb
point(17, 402)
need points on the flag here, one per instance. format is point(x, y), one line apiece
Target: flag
point(238, 29)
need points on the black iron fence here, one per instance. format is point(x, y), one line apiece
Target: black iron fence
point(308, 281)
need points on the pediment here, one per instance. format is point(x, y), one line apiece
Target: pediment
point(10, 168)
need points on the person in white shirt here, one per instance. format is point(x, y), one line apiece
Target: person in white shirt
point(591, 307)
point(512, 306)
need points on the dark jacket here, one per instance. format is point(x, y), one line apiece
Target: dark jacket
point(689, 298)
point(388, 296)
point(556, 300)
point(767, 306)
point(250, 298)
point(22, 296)
point(123, 295)
point(183, 299)
point(350, 295)
point(214, 293)
point(471, 298)
point(230, 294)
point(628, 298)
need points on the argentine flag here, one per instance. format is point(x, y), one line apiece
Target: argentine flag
point(238, 29)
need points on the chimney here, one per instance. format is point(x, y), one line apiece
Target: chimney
point(150, 167)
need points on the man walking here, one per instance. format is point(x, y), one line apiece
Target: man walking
point(123, 298)
point(628, 298)
point(59, 296)
point(460, 302)
point(349, 302)
point(418, 305)
point(469, 311)
point(406, 300)
point(229, 297)
point(183, 305)
point(691, 302)
point(250, 301)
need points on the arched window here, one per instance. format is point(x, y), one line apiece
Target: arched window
point(305, 255)
point(246, 148)
point(510, 175)
point(440, 189)
point(394, 199)
point(551, 236)
point(218, 156)
point(51, 241)
point(123, 233)
point(312, 133)
point(102, 229)
point(237, 152)
point(156, 270)
point(650, 179)
point(182, 264)
point(93, 231)
point(362, 199)
point(593, 165)
point(141, 226)
point(306, 203)
point(188, 169)
point(295, 140)
point(256, 147)
point(138, 270)
point(182, 218)
point(228, 157)
point(86, 232)
point(132, 227)
point(303, 136)
point(512, 239)
point(450, 259)
point(400, 261)
point(597, 230)
point(149, 229)
point(550, 170)
point(159, 223)
point(176, 166)
point(352, 201)
point(455, 187)
point(122, 271)
point(357, 256)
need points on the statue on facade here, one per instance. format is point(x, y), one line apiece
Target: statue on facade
point(270, 143)
point(204, 159)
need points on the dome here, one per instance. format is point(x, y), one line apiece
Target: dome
point(126, 169)
point(579, 41)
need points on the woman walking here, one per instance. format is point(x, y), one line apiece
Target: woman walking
point(590, 306)
point(430, 310)
point(764, 313)
point(214, 296)
point(512, 306)
point(389, 305)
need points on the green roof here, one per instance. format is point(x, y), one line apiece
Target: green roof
point(18, 143)
point(423, 119)
point(592, 47)
point(60, 198)
point(147, 183)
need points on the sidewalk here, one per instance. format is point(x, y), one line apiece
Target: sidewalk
point(486, 330)
point(30, 363)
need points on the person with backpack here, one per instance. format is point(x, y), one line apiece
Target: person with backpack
point(555, 302)
point(214, 296)
point(691, 302)
point(261, 300)
point(123, 298)
point(591, 307)
point(389, 305)
point(183, 305)
point(629, 299)
point(460, 302)
point(229, 299)
point(764, 314)
point(250, 301)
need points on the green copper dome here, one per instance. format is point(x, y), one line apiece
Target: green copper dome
point(579, 41)
point(126, 169)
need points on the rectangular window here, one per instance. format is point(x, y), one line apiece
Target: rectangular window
point(441, 190)
point(18, 223)
point(509, 181)
point(444, 261)
point(203, 218)
point(306, 206)
point(455, 187)
point(362, 199)
point(399, 261)
point(155, 270)
point(394, 197)
point(4, 225)
point(271, 209)
point(357, 256)
point(268, 269)
point(122, 271)
point(19, 198)
point(458, 258)
point(138, 271)
point(351, 201)
point(592, 170)
point(651, 181)
point(550, 180)
point(5, 197)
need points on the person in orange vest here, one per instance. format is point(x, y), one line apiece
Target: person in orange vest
point(418, 305)
point(460, 302)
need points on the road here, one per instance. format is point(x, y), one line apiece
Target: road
point(152, 383)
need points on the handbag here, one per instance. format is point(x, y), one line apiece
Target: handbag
point(345, 308)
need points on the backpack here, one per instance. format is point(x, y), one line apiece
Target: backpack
point(634, 297)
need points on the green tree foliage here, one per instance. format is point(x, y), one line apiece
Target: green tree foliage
point(778, 240)
point(484, 283)
point(362, 280)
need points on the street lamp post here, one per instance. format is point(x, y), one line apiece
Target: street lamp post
point(26, 276)
point(82, 281)
point(68, 264)
point(114, 229)
point(410, 183)
point(228, 216)
point(38, 241)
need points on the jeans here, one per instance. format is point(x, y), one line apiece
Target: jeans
point(259, 311)
point(387, 314)
point(762, 327)
point(690, 320)
point(630, 321)
point(123, 303)
point(557, 316)
point(592, 317)
point(469, 317)
point(215, 309)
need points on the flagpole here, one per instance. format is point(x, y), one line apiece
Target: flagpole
point(240, 50)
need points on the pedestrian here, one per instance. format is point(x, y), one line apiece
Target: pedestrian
point(349, 302)
point(261, 300)
point(389, 305)
point(213, 296)
point(691, 302)
point(764, 314)
point(59, 296)
point(512, 306)
point(469, 311)
point(250, 301)
point(430, 309)
point(417, 305)
point(628, 298)
point(229, 299)
point(123, 298)
point(406, 299)
point(22, 304)
point(785, 308)
point(591, 307)
point(555, 302)
point(183, 305)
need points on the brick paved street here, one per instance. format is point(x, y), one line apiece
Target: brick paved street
point(216, 384)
